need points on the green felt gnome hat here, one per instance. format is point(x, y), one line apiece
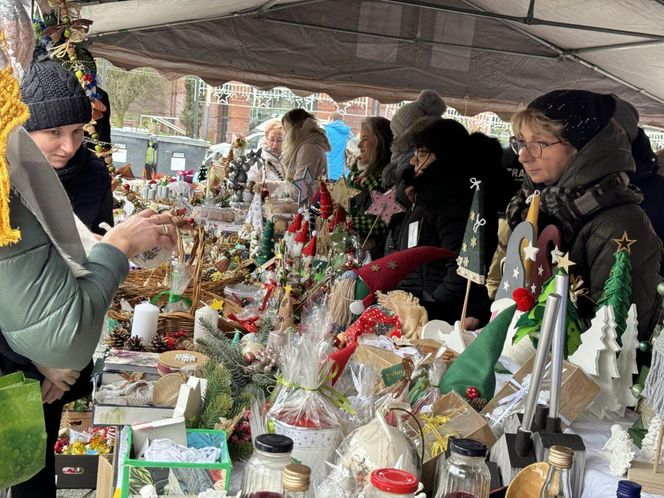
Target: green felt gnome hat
point(474, 367)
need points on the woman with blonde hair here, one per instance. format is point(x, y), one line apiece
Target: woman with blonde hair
point(270, 172)
point(305, 145)
point(574, 146)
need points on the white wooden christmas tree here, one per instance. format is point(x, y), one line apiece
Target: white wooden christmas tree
point(592, 342)
point(607, 369)
point(627, 366)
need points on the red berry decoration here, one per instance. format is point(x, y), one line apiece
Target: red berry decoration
point(126, 186)
point(523, 298)
point(249, 358)
point(191, 221)
point(472, 393)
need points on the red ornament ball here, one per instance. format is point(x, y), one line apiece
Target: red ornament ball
point(249, 358)
point(472, 392)
point(523, 298)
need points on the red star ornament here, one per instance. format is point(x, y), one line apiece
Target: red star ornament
point(384, 205)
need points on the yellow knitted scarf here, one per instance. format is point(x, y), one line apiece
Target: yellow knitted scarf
point(13, 113)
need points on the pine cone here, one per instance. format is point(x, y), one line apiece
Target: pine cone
point(118, 337)
point(158, 344)
point(478, 404)
point(135, 343)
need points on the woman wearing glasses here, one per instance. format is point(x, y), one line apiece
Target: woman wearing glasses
point(575, 149)
point(438, 184)
point(270, 173)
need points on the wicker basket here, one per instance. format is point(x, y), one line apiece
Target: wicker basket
point(140, 285)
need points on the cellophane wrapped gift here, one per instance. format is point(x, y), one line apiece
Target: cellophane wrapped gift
point(362, 399)
point(423, 399)
point(450, 416)
point(577, 390)
point(180, 279)
point(307, 409)
point(377, 445)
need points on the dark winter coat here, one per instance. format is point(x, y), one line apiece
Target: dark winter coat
point(591, 247)
point(88, 186)
point(650, 183)
point(441, 207)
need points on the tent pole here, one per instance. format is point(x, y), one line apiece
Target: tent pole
point(521, 20)
point(355, 32)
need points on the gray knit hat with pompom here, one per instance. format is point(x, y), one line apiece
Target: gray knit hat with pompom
point(428, 103)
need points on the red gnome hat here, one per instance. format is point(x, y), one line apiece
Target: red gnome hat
point(339, 217)
point(296, 223)
point(384, 274)
point(325, 201)
point(303, 233)
point(340, 357)
point(310, 248)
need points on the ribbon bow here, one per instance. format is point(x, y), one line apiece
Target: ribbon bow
point(325, 390)
point(432, 425)
point(475, 183)
point(172, 298)
point(249, 325)
point(479, 222)
point(530, 198)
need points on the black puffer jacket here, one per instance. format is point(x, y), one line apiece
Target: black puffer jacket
point(442, 204)
point(88, 186)
point(592, 245)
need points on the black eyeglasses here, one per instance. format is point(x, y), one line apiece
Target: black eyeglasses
point(534, 148)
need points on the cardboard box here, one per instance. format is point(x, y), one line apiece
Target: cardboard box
point(105, 475)
point(188, 479)
point(119, 414)
point(382, 359)
point(464, 422)
point(76, 471)
point(75, 420)
point(577, 390)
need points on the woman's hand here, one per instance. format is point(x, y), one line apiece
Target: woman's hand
point(50, 392)
point(142, 232)
point(62, 378)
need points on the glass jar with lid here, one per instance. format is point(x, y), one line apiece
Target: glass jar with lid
point(263, 472)
point(392, 483)
point(295, 480)
point(465, 473)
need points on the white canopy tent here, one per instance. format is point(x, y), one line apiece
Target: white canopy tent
point(480, 55)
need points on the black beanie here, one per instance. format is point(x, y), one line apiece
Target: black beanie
point(582, 113)
point(55, 97)
point(442, 137)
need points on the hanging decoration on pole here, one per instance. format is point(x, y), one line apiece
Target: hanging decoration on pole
point(471, 263)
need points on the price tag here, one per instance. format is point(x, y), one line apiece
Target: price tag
point(413, 234)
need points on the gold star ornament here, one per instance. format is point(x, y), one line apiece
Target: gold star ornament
point(624, 243)
point(341, 193)
point(564, 262)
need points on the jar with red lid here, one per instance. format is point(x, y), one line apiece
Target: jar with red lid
point(392, 483)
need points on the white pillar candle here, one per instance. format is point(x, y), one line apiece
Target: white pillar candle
point(210, 316)
point(144, 324)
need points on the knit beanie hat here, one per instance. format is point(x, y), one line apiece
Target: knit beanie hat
point(428, 103)
point(582, 113)
point(55, 97)
point(442, 137)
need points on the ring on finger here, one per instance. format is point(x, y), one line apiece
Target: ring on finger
point(164, 230)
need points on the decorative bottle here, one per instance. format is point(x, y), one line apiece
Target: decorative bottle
point(295, 481)
point(557, 483)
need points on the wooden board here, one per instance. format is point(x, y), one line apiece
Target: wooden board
point(642, 473)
